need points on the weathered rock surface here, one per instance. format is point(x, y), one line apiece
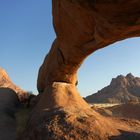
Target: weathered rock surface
point(7, 83)
point(122, 89)
point(81, 27)
point(9, 103)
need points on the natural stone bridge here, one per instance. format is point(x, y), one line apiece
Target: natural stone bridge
point(82, 27)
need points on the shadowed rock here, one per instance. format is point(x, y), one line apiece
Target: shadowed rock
point(9, 103)
point(126, 136)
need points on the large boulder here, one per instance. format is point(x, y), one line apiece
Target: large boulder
point(9, 104)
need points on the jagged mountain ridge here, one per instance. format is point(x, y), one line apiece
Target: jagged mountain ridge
point(122, 89)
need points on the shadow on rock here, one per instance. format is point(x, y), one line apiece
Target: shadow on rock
point(125, 135)
point(9, 103)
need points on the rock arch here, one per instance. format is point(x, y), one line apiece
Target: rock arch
point(81, 27)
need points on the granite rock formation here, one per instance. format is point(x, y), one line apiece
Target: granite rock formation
point(81, 27)
point(9, 103)
point(7, 83)
point(122, 89)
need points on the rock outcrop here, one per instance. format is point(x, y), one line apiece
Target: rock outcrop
point(122, 89)
point(9, 103)
point(7, 83)
point(82, 27)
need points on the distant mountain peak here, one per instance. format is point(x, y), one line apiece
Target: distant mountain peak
point(130, 75)
point(122, 89)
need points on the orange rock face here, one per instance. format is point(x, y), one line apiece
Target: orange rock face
point(7, 83)
point(81, 27)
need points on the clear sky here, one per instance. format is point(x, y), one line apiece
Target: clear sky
point(26, 35)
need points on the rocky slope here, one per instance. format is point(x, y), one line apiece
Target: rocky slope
point(7, 83)
point(122, 89)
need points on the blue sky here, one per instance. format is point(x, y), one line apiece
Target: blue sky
point(26, 35)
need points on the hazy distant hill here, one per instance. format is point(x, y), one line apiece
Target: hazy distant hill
point(122, 89)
